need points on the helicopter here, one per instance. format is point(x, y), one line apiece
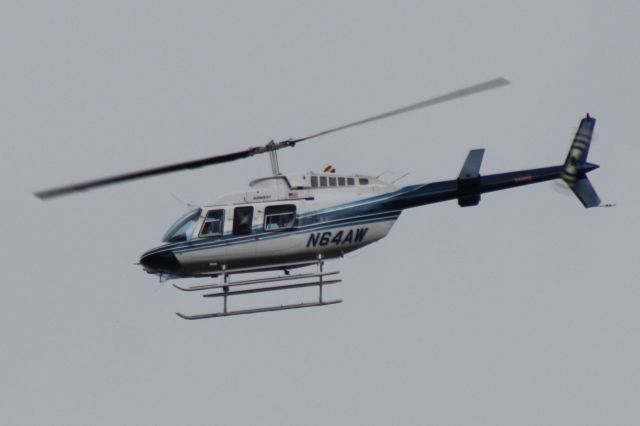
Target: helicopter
point(296, 221)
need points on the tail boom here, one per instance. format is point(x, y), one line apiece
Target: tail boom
point(470, 184)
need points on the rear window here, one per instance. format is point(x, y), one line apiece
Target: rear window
point(279, 218)
point(242, 219)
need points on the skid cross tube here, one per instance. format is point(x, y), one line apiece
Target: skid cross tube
point(225, 287)
point(320, 280)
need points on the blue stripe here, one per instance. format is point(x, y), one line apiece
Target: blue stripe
point(359, 203)
point(327, 222)
point(331, 217)
point(256, 237)
point(309, 218)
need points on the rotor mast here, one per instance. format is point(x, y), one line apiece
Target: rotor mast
point(273, 157)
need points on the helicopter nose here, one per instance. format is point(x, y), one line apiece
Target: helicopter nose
point(164, 261)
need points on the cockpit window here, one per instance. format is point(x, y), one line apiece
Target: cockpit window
point(213, 223)
point(183, 228)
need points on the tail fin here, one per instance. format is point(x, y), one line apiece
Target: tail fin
point(585, 192)
point(576, 166)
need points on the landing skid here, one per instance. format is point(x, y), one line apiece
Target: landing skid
point(318, 279)
point(257, 310)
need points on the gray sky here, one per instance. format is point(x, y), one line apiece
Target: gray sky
point(523, 310)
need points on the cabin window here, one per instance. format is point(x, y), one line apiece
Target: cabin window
point(363, 181)
point(341, 181)
point(279, 218)
point(314, 181)
point(332, 181)
point(323, 181)
point(351, 181)
point(183, 228)
point(242, 219)
point(213, 223)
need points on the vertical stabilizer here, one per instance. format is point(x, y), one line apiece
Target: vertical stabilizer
point(576, 167)
point(579, 150)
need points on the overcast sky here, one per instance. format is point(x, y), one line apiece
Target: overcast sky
point(523, 310)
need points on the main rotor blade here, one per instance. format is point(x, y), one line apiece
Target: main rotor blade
point(194, 164)
point(471, 90)
point(271, 146)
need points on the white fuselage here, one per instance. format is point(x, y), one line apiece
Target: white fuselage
point(323, 223)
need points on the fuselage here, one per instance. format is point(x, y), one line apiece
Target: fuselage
point(305, 217)
point(280, 219)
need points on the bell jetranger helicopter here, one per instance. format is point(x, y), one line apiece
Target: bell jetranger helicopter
point(290, 221)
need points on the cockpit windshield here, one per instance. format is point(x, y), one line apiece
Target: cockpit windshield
point(183, 228)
